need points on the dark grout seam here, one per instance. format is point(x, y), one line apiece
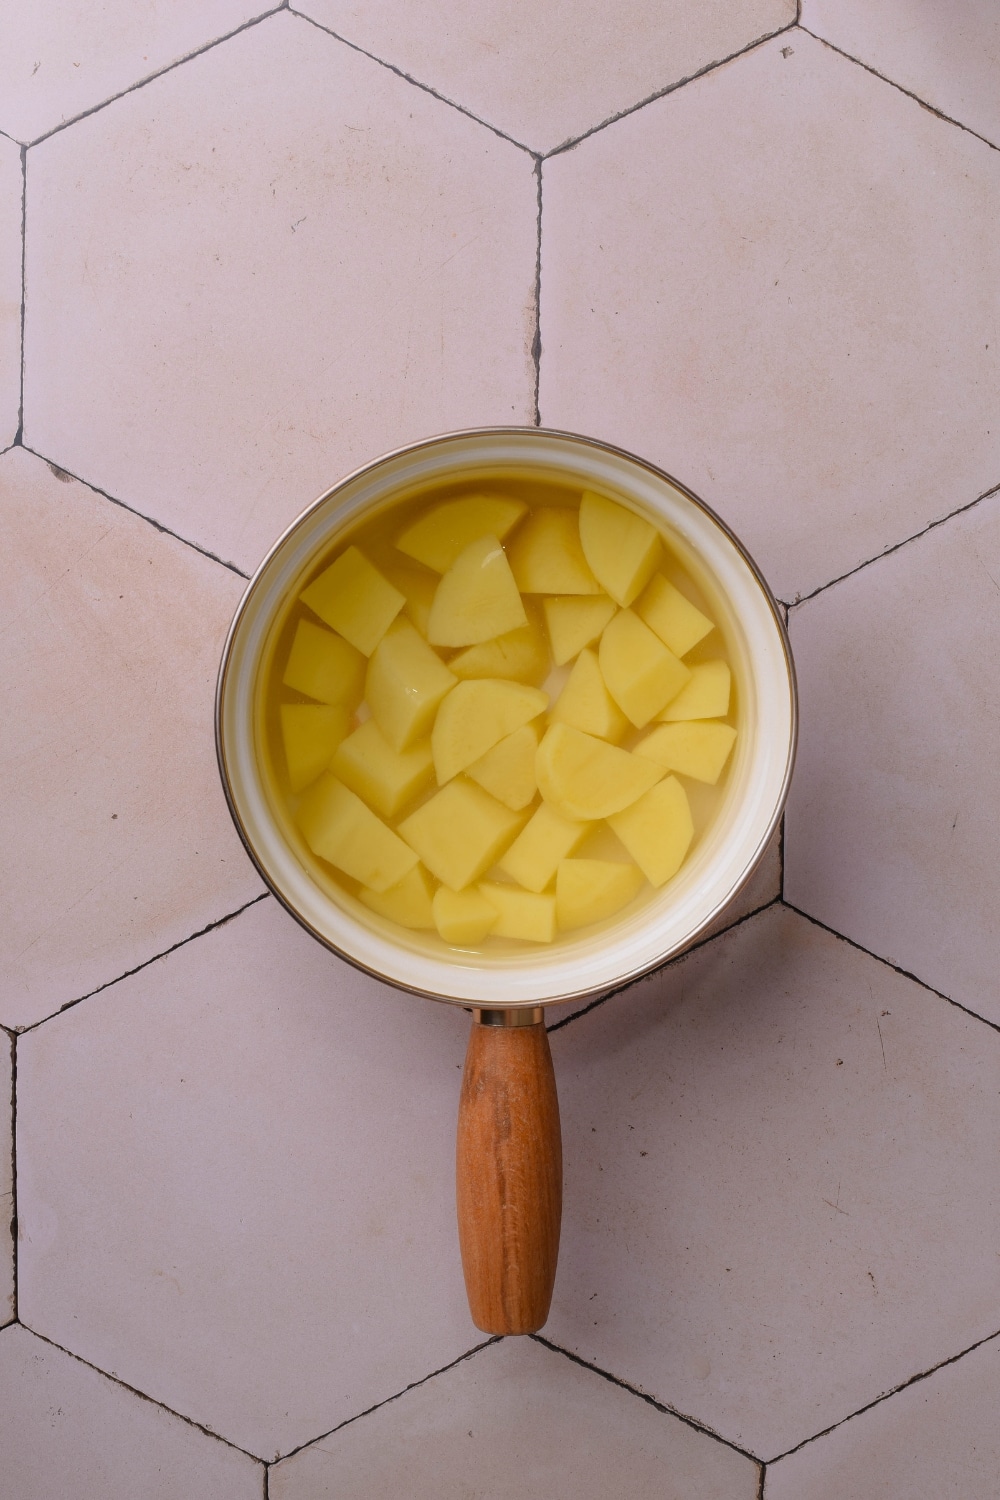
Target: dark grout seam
point(24, 240)
point(536, 343)
point(761, 1479)
point(181, 943)
point(886, 1395)
point(13, 1166)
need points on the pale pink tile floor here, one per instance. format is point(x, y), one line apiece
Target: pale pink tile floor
point(257, 250)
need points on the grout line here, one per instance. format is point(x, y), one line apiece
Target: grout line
point(536, 344)
point(761, 1478)
point(24, 225)
point(885, 1396)
point(267, 1482)
point(494, 1339)
point(13, 1165)
point(931, 108)
point(781, 860)
point(669, 88)
point(670, 1411)
point(150, 77)
point(159, 526)
point(408, 78)
point(181, 943)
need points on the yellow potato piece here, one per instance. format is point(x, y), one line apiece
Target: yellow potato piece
point(463, 918)
point(672, 617)
point(699, 748)
point(520, 914)
point(546, 556)
point(408, 903)
point(534, 856)
point(439, 537)
point(418, 589)
point(584, 778)
point(657, 830)
point(621, 548)
point(475, 716)
point(589, 890)
point(311, 733)
point(406, 682)
point(476, 599)
point(706, 696)
point(387, 779)
point(338, 827)
point(322, 665)
point(507, 771)
point(520, 655)
point(353, 597)
point(460, 833)
point(575, 623)
point(642, 675)
point(586, 704)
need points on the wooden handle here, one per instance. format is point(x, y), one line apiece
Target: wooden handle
point(509, 1186)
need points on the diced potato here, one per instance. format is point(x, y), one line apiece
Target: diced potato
point(353, 597)
point(672, 617)
point(338, 827)
point(322, 665)
point(520, 655)
point(387, 779)
point(642, 675)
point(408, 903)
point(586, 704)
point(621, 548)
point(706, 696)
point(575, 623)
point(657, 830)
point(476, 599)
point(311, 733)
point(520, 914)
point(418, 588)
point(699, 748)
point(534, 856)
point(460, 832)
point(589, 890)
point(439, 538)
point(475, 716)
point(507, 771)
point(582, 777)
point(406, 682)
point(463, 917)
point(546, 556)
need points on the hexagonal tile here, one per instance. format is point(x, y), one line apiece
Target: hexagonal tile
point(60, 59)
point(894, 817)
point(949, 57)
point(67, 1430)
point(6, 1180)
point(236, 1184)
point(117, 843)
point(263, 269)
point(11, 195)
point(937, 1440)
point(545, 73)
point(775, 1157)
point(521, 1421)
point(781, 284)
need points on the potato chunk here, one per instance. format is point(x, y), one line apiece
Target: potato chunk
point(698, 748)
point(586, 704)
point(546, 556)
point(583, 778)
point(672, 617)
point(322, 665)
point(476, 599)
point(353, 597)
point(621, 548)
point(387, 779)
point(706, 696)
point(460, 832)
point(408, 903)
point(507, 771)
point(338, 827)
point(547, 838)
point(311, 733)
point(589, 890)
point(440, 536)
point(405, 683)
point(418, 589)
point(575, 623)
point(657, 830)
point(641, 674)
point(475, 716)
point(520, 914)
point(520, 656)
point(463, 918)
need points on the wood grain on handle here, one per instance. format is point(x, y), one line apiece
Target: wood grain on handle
point(509, 1184)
